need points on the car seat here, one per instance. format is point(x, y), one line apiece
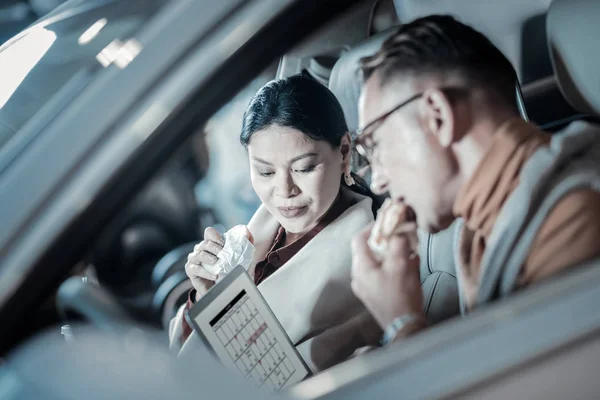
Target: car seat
point(572, 28)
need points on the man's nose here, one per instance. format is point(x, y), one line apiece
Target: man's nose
point(285, 186)
point(379, 183)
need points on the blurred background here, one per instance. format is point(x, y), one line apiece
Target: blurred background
point(16, 15)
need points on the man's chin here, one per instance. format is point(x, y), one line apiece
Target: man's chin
point(429, 228)
point(435, 226)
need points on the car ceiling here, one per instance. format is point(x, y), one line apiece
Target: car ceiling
point(516, 27)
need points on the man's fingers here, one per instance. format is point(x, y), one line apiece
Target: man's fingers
point(365, 268)
point(360, 246)
point(399, 246)
point(211, 233)
point(400, 253)
point(407, 227)
point(366, 231)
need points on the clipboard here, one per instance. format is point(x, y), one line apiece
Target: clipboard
point(235, 321)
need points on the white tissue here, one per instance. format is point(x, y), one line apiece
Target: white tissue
point(237, 250)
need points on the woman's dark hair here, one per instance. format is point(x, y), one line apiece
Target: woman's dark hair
point(301, 103)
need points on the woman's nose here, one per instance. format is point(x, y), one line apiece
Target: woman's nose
point(285, 186)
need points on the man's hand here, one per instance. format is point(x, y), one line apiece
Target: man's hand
point(341, 342)
point(390, 288)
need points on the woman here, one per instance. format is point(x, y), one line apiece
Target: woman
point(312, 205)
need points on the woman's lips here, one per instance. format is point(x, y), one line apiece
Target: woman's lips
point(292, 212)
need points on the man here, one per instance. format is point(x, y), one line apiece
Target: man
point(443, 135)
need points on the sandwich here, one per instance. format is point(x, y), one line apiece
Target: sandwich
point(394, 218)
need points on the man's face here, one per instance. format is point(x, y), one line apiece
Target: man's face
point(412, 158)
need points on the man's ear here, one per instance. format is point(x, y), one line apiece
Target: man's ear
point(346, 149)
point(439, 117)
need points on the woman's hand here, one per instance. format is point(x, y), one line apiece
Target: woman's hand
point(205, 253)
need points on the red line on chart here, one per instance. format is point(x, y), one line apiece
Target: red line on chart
point(256, 334)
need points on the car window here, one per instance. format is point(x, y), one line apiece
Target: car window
point(35, 66)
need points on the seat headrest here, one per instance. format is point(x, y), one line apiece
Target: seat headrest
point(345, 80)
point(501, 21)
point(572, 28)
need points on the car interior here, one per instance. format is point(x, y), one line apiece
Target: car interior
point(331, 56)
point(134, 271)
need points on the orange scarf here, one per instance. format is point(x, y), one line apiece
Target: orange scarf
point(479, 202)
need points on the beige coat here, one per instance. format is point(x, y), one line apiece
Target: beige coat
point(311, 293)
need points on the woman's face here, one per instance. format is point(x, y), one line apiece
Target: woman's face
point(297, 178)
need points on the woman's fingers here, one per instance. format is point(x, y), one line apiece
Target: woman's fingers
point(195, 271)
point(202, 257)
point(211, 234)
point(201, 286)
point(205, 253)
point(209, 247)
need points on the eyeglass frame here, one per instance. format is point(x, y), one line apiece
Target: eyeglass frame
point(359, 137)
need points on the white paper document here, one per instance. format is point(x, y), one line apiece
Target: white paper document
point(236, 321)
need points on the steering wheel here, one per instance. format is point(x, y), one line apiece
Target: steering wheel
point(95, 304)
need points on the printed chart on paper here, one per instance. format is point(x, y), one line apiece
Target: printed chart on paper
point(250, 344)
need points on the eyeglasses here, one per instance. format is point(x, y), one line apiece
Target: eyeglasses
point(362, 139)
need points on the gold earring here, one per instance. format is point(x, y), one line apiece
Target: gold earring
point(348, 177)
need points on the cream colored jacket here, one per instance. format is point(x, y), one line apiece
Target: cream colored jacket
point(311, 293)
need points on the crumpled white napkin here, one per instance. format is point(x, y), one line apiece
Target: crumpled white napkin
point(237, 250)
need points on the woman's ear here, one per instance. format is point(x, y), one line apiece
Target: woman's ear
point(346, 149)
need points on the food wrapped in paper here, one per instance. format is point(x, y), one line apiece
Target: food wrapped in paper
point(393, 218)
